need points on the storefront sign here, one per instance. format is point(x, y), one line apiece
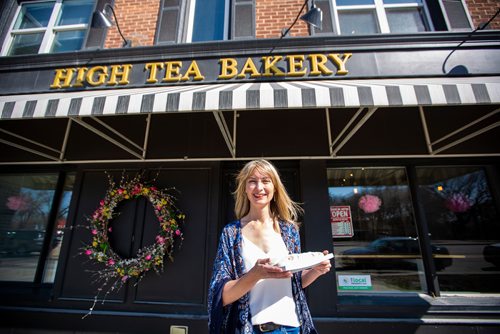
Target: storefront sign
point(354, 282)
point(222, 69)
point(341, 220)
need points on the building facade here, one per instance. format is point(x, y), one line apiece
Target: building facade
point(383, 122)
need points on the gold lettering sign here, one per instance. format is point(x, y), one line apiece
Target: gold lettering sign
point(280, 66)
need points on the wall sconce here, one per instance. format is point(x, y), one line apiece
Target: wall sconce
point(314, 17)
point(100, 19)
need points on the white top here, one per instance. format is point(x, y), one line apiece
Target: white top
point(271, 300)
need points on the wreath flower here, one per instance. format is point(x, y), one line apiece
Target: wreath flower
point(116, 270)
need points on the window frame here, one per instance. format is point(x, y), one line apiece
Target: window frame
point(43, 257)
point(447, 19)
point(185, 21)
point(49, 32)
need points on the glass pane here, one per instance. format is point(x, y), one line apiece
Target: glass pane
point(383, 251)
point(35, 15)
point(327, 17)
point(26, 44)
point(461, 215)
point(68, 41)
point(209, 20)
point(49, 273)
point(25, 202)
point(354, 2)
point(358, 22)
point(244, 19)
point(405, 20)
point(168, 29)
point(456, 14)
point(75, 12)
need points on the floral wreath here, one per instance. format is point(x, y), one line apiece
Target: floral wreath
point(149, 257)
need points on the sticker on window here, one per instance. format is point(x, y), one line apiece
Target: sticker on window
point(341, 221)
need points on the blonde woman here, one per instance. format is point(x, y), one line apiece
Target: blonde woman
point(248, 293)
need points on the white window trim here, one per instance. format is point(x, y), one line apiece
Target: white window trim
point(49, 31)
point(380, 11)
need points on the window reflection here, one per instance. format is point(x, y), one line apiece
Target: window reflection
point(384, 247)
point(461, 216)
point(25, 206)
point(58, 232)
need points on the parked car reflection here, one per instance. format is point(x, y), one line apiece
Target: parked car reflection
point(491, 254)
point(21, 242)
point(393, 253)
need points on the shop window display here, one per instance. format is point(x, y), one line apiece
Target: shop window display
point(381, 253)
point(461, 216)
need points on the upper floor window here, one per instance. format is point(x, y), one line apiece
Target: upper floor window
point(185, 21)
point(364, 17)
point(48, 26)
point(361, 17)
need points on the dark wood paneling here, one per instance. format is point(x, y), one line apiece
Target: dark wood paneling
point(77, 279)
point(183, 281)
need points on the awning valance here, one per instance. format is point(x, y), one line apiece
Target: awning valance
point(254, 96)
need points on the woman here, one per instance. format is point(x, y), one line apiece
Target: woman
point(248, 293)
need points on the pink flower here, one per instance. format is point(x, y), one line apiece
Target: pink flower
point(148, 257)
point(125, 278)
point(88, 252)
point(369, 203)
point(101, 203)
point(18, 203)
point(160, 240)
point(177, 232)
point(458, 203)
point(120, 191)
point(94, 232)
point(110, 229)
point(111, 262)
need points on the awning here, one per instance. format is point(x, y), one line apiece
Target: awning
point(255, 96)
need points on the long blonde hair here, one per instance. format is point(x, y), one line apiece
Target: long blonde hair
point(282, 207)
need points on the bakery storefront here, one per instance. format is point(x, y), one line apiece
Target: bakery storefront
point(391, 144)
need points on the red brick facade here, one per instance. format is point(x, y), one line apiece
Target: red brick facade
point(482, 10)
point(138, 19)
point(273, 16)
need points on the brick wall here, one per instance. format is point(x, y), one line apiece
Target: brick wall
point(273, 16)
point(482, 10)
point(137, 19)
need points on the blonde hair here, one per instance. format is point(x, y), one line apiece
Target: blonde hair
point(282, 207)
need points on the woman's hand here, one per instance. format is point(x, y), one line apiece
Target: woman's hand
point(310, 275)
point(264, 269)
point(323, 267)
point(235, 289)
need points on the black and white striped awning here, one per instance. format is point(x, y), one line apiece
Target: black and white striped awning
point(252, 96)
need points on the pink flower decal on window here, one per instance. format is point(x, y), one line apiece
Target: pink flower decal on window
point(369, 203)
point(458, 203)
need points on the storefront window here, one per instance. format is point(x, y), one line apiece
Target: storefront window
point(58, 232)
point(374, 232)
point(25, 205)
point(461, 216)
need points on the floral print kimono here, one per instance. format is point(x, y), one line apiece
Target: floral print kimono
point(236, 318)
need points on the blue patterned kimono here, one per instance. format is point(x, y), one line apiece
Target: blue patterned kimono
point(236, 318)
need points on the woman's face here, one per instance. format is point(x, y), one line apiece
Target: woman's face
point(259, 189)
